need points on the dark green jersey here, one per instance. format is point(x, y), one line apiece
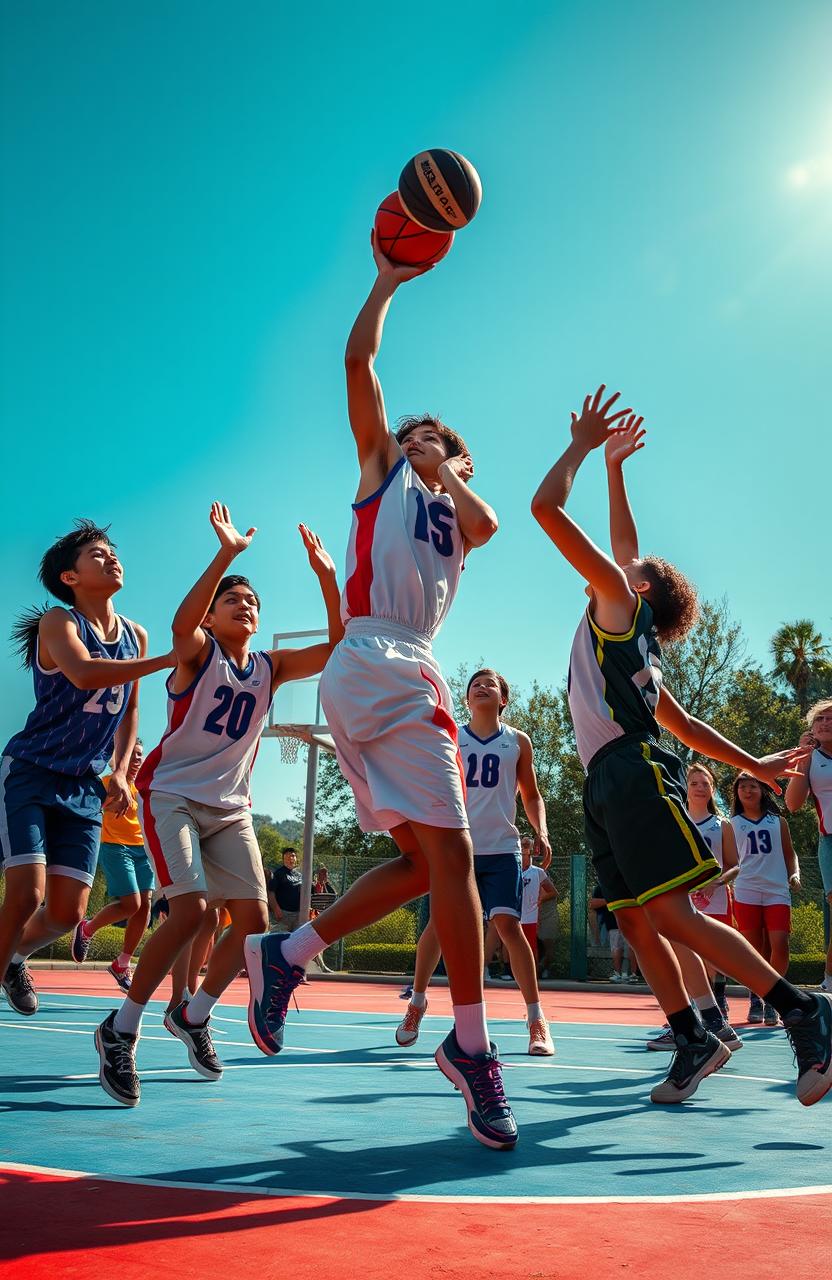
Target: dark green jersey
point(614, 682)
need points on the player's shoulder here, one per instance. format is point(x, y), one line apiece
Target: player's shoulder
point(138, 630)
point(57, 616)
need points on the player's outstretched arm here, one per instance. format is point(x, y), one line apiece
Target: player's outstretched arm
point(377, 449)
point(797, 792)
point(119, 798)
point(533, 805)
point(620, 446)
point(477, 520)
point(704, 739)
point(190, 642)
point(63, 646)
point(613, 597)
point(298, 664)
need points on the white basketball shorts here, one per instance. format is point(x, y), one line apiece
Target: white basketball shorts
point(391, 716)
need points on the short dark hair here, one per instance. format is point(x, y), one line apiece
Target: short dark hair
point(60, 558)
point(501, 680)
point(233, 580)
point(768, 804)
point(453, 441)
point(672, 597)
point(291, 849)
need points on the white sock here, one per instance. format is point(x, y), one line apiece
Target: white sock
point(17, 958)
point(533, 1011)
point(419, 999)
point(122, 960)
point(471, 1028)
point(128, 1019)
point(302, 946)
point(199, 1007)
point(705, 1002)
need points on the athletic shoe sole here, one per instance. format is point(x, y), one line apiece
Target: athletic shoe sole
point(24, 1013)
point(104, 1082)
point(733, 1043)
point(541, 1049)
point(119, 980)
point(254, 966)
point(822, 1082)
point(459, 1082)
point(716, 1062)
point(199, 1068)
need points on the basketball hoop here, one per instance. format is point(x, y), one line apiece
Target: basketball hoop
point(291, 738)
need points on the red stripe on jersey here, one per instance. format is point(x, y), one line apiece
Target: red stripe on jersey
point(445, 721)
point(361, 578)
point(180, 710)
point(154, 844)
point(819, 811)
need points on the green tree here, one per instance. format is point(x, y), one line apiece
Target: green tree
point(801, 658)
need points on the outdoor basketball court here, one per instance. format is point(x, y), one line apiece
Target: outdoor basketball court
point(361, 1148)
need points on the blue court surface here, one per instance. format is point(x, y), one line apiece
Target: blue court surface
point(344, 1112)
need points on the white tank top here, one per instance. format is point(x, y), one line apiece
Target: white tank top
point(533, 878)
point(490, 768)
point(213, 733)
point(711, 832)
point(405, 554)
point(760, 852)
point(820, 785)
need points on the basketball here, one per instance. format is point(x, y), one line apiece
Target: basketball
point(406, 242)
point(440, 189)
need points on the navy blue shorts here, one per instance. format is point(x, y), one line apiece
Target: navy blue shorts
point(49, 818)
point(499, 883)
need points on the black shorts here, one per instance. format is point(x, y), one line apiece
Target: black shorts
point(642, 838)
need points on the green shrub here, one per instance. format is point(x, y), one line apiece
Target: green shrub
point(807, 968)
point(380, 957)
point(807, 929)
point(399, 928)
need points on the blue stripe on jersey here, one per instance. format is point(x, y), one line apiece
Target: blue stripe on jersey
point(71, 730)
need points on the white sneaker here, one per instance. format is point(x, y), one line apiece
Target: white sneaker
point(540, 1041)
point(616, 977)
point(407, 1032)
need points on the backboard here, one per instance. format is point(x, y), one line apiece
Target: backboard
point(295, 716)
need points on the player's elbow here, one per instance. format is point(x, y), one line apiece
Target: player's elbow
point(356, 362)
point(544, 513)
point(482, 529)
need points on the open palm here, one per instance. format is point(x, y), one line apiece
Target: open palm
point(628, 439)
point(229, 537)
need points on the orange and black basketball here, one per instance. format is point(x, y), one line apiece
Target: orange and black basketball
point(402, 240)
point(440, 190)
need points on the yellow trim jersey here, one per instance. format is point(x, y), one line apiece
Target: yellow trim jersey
point(614, 682)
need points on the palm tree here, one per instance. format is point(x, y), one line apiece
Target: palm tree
point(799, 652)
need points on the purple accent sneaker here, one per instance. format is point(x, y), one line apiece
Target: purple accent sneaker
point(480, 1081)
point(272, 983)
point(80, 944)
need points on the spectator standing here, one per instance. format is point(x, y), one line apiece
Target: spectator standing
point(284, 892)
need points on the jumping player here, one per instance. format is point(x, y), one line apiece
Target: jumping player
point(498, 762)
point(85, 659)
point(815, 779)
point(129, 878)
point(194, 790)
point(768, 873)
point(648, 852)
point(415, 519)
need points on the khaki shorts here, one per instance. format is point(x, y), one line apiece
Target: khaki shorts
point(197, 848)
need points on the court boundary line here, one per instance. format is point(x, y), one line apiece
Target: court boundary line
point(260, 1193)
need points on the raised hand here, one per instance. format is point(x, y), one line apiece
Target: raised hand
point(394, 273)
point(119, 799)
point(461, 464)
point(596, 424)
point(781, 764)
point(230, 538)
point(319, 558)
point(625, 441)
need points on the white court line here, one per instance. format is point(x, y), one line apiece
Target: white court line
point(540, 1065)
point(285, 1193)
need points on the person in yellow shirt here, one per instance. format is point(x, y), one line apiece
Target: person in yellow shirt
point(129, 877)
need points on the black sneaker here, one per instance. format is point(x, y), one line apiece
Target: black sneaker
point(117, 1053)
point(80, 943)
point(771, 1017)
point(19, 989)
point(811, 1040)
point(692, 1061)
point(198, 1040)
point(479, 1079)
point(755, 1010)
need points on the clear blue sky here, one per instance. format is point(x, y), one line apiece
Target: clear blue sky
point(189, 190)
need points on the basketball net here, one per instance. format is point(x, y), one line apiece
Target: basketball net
point(291, 738)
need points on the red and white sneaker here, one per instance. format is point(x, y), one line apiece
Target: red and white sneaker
point(407, 1032)
point(540, 1041)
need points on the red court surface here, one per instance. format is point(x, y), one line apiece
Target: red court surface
point(59, 1224)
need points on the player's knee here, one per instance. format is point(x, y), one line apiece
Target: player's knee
point(130, 903)
point(22, 905)
point(507, 926)
point(65, 915)
point(253, 917)
point(635, 924)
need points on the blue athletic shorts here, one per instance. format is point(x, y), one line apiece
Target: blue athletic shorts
point(48, 817)
point(825, 861)
point(126, 868)
point(500, 883)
